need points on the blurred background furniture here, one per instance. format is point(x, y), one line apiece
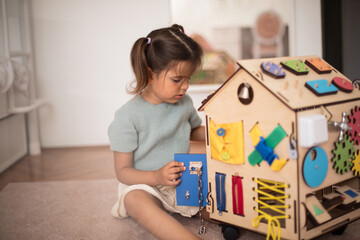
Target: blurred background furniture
point(268, 32)
point(19, 127)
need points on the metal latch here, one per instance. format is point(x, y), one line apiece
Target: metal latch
point(195, 167)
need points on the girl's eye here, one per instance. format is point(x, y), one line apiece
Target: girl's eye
point(176, 80)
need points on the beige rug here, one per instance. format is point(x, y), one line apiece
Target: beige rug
point(81, 210)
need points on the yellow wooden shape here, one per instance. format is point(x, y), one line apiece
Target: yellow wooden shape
point(278, 164)
point(255, 134)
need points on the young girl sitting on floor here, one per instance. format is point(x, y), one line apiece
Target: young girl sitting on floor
point(159, 121)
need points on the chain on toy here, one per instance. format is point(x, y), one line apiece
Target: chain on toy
point(202, 229)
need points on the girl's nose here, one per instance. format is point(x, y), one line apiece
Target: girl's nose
point(185, 84)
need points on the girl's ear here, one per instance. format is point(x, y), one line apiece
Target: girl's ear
point(151, 75)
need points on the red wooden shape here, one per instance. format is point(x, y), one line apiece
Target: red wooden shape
point(343, 84)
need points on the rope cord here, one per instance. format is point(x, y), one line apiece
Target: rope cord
point(272, 187)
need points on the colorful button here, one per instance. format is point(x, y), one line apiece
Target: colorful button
point(225, 156)
point(220, 132)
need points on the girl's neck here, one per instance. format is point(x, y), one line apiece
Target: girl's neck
point(148, 96)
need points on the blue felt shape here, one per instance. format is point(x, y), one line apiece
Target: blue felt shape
point(351, 193)
point(321, 87)
point(189, 182)
point(266, 152)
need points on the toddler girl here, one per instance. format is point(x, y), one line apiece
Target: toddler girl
point(149, 129)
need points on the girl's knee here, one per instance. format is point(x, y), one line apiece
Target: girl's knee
point(139, 201)
point(133, 197)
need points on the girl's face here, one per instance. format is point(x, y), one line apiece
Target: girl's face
point(169, 86)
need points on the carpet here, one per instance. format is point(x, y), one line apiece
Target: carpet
point(81, 210)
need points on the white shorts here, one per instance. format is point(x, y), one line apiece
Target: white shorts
point(166, 194)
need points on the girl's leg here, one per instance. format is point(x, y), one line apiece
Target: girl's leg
point(147, 211)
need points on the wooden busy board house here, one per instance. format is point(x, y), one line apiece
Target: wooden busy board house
point(282, 148)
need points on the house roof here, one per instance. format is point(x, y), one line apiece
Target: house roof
point(299, 82)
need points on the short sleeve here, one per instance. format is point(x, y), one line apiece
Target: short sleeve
point(194, 119)
point(122, 134)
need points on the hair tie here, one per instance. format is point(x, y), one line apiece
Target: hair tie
point(148, 41)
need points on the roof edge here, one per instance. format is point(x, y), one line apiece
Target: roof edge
point(208, 98)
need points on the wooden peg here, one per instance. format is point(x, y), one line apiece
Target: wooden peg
point(296, 83)
point(300, 93)
point(286, 85)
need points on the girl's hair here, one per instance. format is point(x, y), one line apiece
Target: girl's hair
point(159, 51)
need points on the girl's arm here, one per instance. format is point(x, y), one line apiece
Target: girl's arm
point(167, 175)
point(198, 134)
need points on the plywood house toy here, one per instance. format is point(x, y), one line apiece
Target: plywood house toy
point(282, 148)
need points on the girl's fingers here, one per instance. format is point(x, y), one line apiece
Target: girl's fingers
point(177, 176)
point(177, 169)
point(174, 170)
point(174, 182)
point(176, 164)
point(173, 177)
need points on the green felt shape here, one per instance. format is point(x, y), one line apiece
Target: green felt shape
point(275, 137)
point(318, 211)
point(255, 158)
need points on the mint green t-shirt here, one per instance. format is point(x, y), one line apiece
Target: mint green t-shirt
point(154, 133)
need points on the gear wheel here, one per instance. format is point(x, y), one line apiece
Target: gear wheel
point(354, 123)
point(356, 164)
point(344, 153)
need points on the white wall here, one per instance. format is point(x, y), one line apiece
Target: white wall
point(305, 33)
point(82, 50)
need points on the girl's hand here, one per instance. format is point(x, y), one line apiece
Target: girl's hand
point(169, 175)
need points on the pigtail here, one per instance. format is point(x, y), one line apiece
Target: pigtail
point(139, 66)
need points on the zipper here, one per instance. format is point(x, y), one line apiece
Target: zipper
point(220, 192)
